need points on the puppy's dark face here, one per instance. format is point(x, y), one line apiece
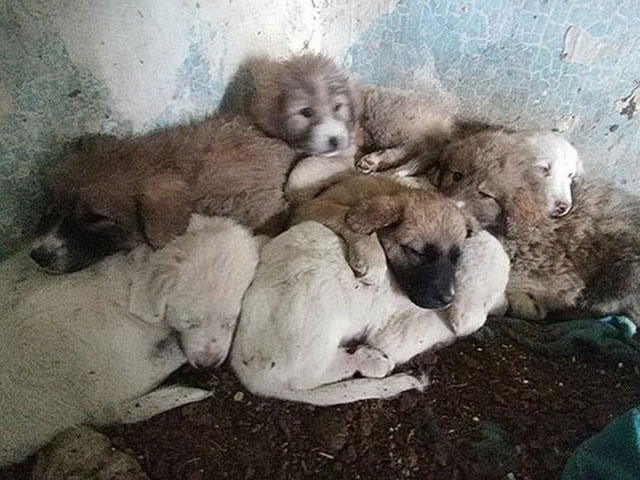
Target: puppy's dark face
point(76, 237)
point(313, 106)
point(422, 236)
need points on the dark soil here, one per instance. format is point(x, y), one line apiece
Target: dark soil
point(493, 409)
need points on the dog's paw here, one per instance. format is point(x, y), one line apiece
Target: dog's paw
point(371, 362)
point(369, 163)
point(372, 275)
point(465, 323)
point(369, 269)
point(523, 305)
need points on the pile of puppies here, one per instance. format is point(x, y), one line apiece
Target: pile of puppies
point(385, 227)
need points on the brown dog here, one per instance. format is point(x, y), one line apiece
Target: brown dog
point(589, 259)
point(111, 193)
point(417, 233)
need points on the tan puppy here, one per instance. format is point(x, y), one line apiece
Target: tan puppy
point(589, 258)
point(417, 233)
point(112, 193)
point(306, 101)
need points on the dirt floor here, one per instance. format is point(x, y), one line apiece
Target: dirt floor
point(494, 411)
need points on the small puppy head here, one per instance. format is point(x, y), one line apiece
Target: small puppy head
point(76, 234)
point(308, 102)
point(422, 234)
point(560, 164)
point(486, 173)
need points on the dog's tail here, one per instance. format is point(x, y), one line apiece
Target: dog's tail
point(354, 390)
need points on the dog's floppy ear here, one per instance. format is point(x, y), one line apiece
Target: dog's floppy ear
point(148, 292)
point(523, 212)
point(371, 215)
point(164, 208)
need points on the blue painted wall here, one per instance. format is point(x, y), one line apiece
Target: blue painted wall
point(69, 67)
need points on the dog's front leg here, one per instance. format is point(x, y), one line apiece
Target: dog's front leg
point(410, 334)
point(366, 257)
point(381, 160)
point(365, 360)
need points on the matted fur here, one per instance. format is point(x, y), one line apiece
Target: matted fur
point(401, 128)
point(111, 193)
point(589, 258)
point(417, 233)
point(278, 95)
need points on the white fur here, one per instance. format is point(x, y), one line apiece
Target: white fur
point(305, 304)
point(71, 352)
point(328, 128)
point(556, 154)
point(197, 283)
point(312, 174)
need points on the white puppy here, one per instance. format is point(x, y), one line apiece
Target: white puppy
point(305, 305)
point(561, 164)
point(71, 351)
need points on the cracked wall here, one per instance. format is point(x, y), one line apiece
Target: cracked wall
point(69, 67)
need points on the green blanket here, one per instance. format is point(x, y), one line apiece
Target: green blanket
point(614, 453)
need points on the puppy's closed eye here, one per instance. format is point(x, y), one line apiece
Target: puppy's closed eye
point(546, 170)
point(486, 195)
point(429, 253)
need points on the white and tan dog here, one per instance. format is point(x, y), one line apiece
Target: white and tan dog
point(305, 306)
point(72, 351)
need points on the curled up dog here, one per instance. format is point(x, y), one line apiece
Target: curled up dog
point(108, 194)
point(305, 308)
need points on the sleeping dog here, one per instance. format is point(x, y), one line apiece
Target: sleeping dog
point(305, 306)
point(91, 347)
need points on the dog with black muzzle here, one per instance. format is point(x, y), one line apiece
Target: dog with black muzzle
point(110, 194)
point(416, 233)
point(308, 326)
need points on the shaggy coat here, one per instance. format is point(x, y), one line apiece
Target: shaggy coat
point(111, 194)
point(588, 259)
point(305, 307)
point(306, 101)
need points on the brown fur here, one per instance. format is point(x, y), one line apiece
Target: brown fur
point(383, 221)
point(401, 128)
point(144, 188)
point(272, 94)
point(588, 259)
point(150, 184)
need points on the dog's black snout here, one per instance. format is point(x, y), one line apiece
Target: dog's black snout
point(444, 299)
point(41, 256)
point(333, 142)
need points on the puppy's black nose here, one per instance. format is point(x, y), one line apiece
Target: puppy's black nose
point(445, 299)
point(41, 256)
point(560, 209)
point(333, 142)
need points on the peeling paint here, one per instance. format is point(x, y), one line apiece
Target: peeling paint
point(580, 47)
point(627, 106)
point(68, 67)
point(565, 123)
